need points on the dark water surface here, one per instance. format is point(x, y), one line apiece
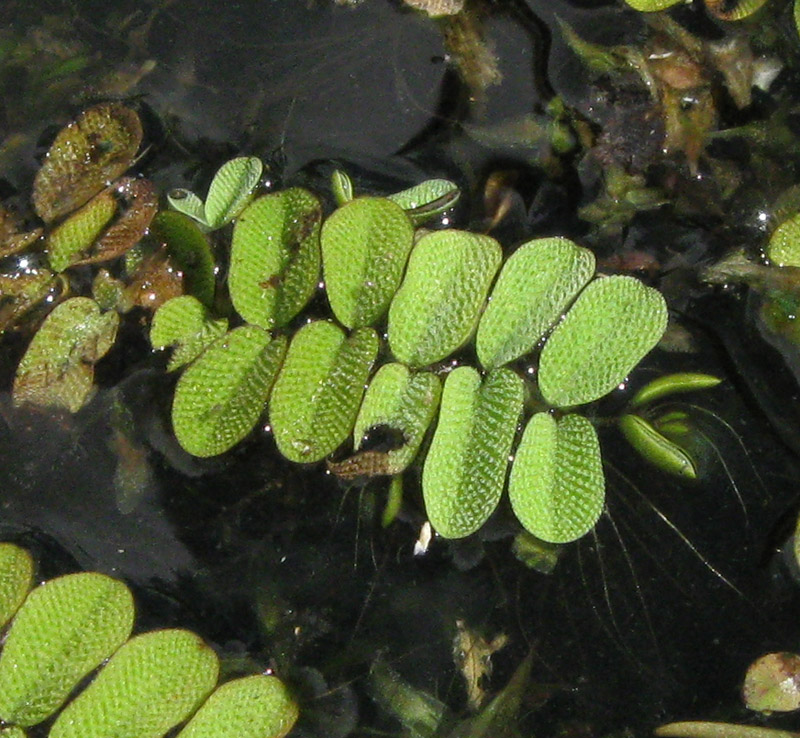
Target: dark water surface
point(652, 617)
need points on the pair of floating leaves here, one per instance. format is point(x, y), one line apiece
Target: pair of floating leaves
point(319, 389)
point(86, 155)
point(275, 257)
point(365, 246)
point(229, 193)
point(399, 405)
point(66, 628)
point(221, 396)
point(57, 370)
point(445, 287)
point(83, 237)
point(534, 288)
point(557, 487)
point(465, 470)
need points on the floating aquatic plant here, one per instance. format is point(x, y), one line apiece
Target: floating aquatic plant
point(67, 627)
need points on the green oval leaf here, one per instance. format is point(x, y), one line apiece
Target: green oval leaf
point(656, 447)
point(85, 156)
point(68, 242)
point(190, 250)
point(16, 576)
point(57, 370)
point(673, 384)
point(151, 684)
point(535, 286)
point(465, 468)
point(275, 257)
point(319, 389)
point(437, 306)
point(220, 397)
point(184, 324)
point(231, 189)
point(66, 627)
point(251, 707)
point(614, 322)
point(557, 487)
point(401, 401)
point(427, 199)
point(365, 246)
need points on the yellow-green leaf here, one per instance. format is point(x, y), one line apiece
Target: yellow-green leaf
point(220, 397)
point(673, 384)
point(151, 684)
point(57, 370)
point(535, 286)
point(257, 706)
point(437, 306)
point(365, 246)
point(557, 487)
point(465, 469)
point(67, 242)
point(612, 325)
point(66, 627)
point(184, 324)
point(16, 577)
point(275, 257)
point(319, 389)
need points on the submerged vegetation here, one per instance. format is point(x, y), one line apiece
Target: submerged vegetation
point(546, 327)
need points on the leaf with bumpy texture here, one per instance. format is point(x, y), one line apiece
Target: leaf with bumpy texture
point(557, 487)
point(275, 257)
point(465, 468)
point(220, 397)
point(614, 322)
point(231, 189)
point(85, 156)
point(784, 244)
point(152, 683)
point(427, 199)
point(404, 401)
point(66, 627)
point(16, 576)
point(77, 233)
point(536, 284)
point(365, 246)
point(57, 369)
point(257, 706)
point(319, 389)
point(184, 324)
point(437, 306)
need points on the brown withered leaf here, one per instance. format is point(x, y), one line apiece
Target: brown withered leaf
point(362, 465)
point(22, 291)
point(140, 204)
point(12, 239)
point(155, 281)
point(86, 155)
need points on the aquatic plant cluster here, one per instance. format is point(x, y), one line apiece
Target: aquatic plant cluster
point(571, 336)
point(61, 631)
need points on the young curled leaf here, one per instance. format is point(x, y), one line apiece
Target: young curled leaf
point(152, 683)
point(220, 397)
point(231, 190)
point(673, 384)
point(319, 389)
point(465, 469)
point(187, 203)
point(93, 150)
point(342, 187)
point(427, 199)
point(656, 447)
point(557, 486)
point(57, 370)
